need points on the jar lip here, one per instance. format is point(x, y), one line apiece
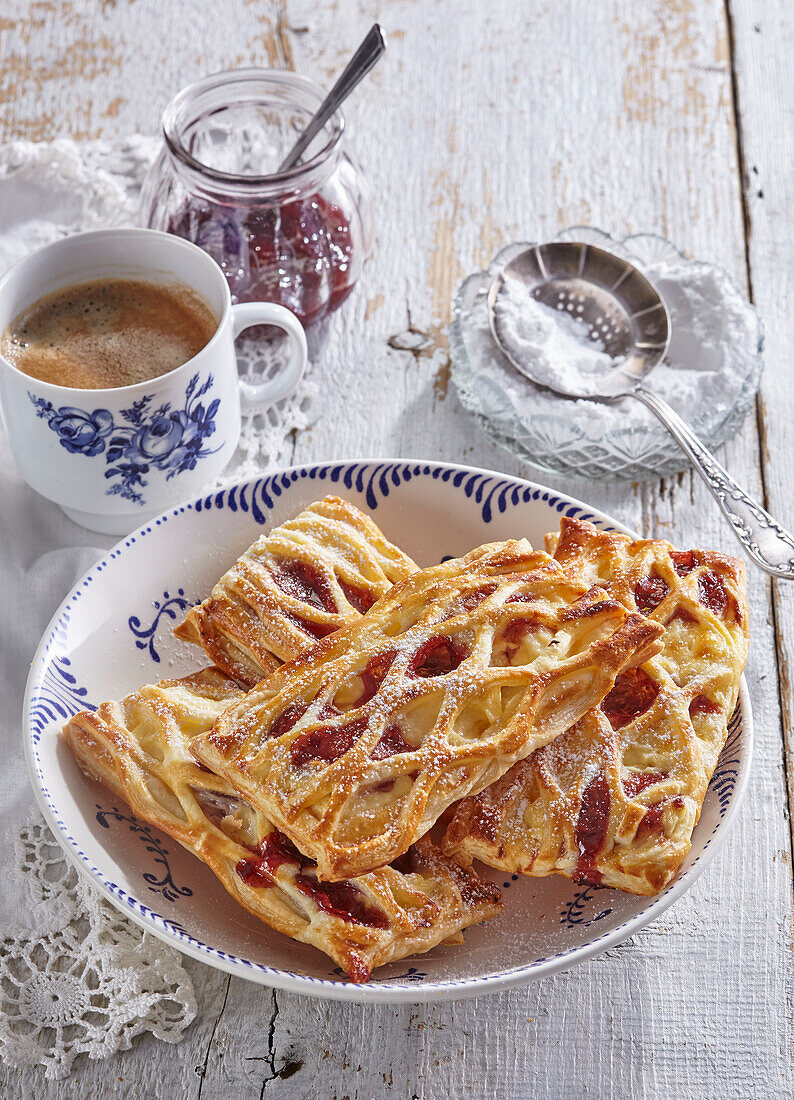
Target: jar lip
point(173, 121)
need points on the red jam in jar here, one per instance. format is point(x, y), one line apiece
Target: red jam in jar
point(299, 238)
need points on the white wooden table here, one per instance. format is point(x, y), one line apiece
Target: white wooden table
point(492, 120)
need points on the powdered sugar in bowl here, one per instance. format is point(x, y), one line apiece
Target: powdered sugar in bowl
point(710, 373)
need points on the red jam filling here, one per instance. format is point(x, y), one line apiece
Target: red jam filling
point(388, 784)
point(701, 704)
point(437, 657)
point(358, 598)
point(649, 593)
point(581, 609)
point(343, 900)
point(636, 783)
point(713, 593)
point(683, 561)
point(682, 614)
point(469, 600)
point(591, 828)
point(287, 719)
point(384, 787)
point(633, 693)
point(653, 817)
point(297, 254)
point(372, 676)
point(304, 582)
point(326, 742)
point(316, 630)
point(260, 869)
point(392, 743)
point(340, 899)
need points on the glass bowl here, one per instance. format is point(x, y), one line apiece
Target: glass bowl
point(710, 374)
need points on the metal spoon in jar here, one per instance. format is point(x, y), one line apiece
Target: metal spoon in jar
point(359, 65)
point(623, 311)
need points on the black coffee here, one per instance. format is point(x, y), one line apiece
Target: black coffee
point(108, 332)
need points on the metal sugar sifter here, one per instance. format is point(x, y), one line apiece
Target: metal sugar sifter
point(622, 312)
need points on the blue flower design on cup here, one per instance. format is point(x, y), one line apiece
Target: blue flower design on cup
point(165, 439)
point(82, 432)
point(158, 440)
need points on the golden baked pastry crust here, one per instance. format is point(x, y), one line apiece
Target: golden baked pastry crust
point(298, 584)
point(356, 748)
point(614, 800)
point(139, 748)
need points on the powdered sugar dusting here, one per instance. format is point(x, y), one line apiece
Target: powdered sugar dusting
point(554, 347)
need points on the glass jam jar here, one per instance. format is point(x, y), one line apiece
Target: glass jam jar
point(300, 237)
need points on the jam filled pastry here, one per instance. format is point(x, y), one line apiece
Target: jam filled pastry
point(139, 748)
point(356, 748)
point(303, 581)
point(615, 799)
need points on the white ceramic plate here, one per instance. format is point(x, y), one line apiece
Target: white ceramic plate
point(113, 633)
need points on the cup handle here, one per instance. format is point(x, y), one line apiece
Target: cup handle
point(268, 313)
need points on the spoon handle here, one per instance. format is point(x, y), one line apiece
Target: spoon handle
point(359, 65)
point(766, 542)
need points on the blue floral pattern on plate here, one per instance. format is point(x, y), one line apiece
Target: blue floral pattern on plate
point(165, 884)
point(167, 605)
point(165, 439)
point(574, 910)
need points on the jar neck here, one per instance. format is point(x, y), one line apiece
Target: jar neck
point(220, 105)
point(273, 190)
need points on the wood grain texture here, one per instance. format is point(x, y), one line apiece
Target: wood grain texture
point(490, 121)
point(765, 93)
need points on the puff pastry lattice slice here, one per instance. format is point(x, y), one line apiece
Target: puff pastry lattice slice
point(303, 581)
point(614, 800)
point(139, 748)
point(355, 749)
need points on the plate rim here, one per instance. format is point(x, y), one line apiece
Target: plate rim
point(326, 988)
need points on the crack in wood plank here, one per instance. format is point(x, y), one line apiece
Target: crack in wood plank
point(282, 34)
point(271, 1047)
point(736, 121)
point(431, 342)
point(202, 1070)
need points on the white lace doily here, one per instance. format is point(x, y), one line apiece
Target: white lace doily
point(76, 977)
point(88, 984)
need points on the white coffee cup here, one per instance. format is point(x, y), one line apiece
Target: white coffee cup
point(113, 458)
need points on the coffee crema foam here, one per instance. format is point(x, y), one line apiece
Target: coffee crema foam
point(107, 333)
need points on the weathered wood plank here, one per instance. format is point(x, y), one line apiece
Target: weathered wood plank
point(488, 122)
point(764, 62)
